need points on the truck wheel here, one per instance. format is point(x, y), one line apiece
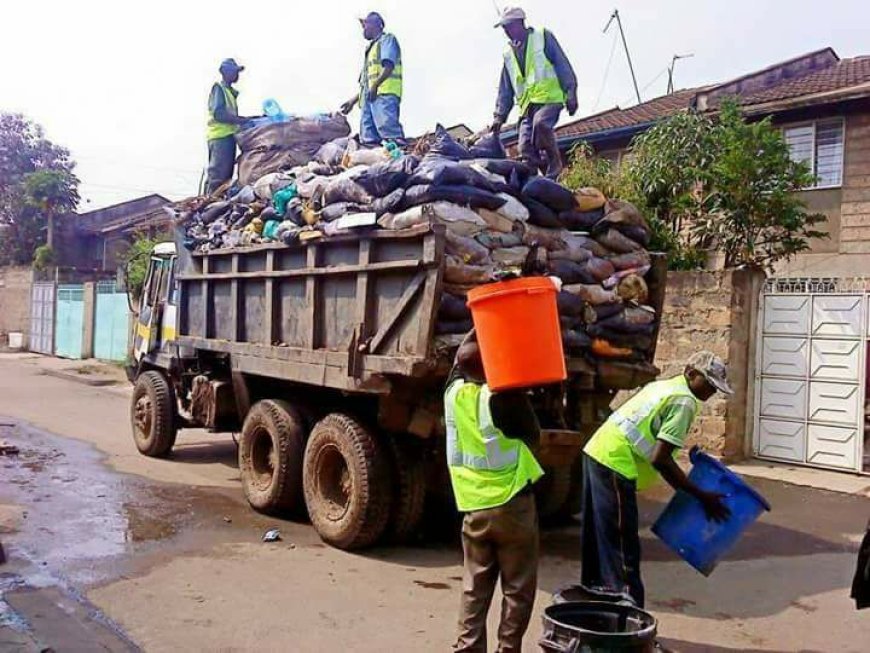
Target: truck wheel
point(271, 449)
point(409, 489)
point(152, 414)
point(551, 492)
point(347, 482)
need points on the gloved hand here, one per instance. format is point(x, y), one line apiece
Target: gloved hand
point(571, 104)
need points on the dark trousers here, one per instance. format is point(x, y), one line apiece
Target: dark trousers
point(221, 161)
point(537, 135)
point(499, 543)
point(611, 541)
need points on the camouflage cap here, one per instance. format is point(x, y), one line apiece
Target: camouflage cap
point(713, 368)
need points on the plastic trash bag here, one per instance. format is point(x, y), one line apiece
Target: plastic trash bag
point(463, 195)
point(345, 190)
point(630, 261)
point(413, 217)
point(384, 178)
point(455, 271)
point(513, 209)
point(449, 327)
point(335, 211)
point(581, 220)
point(449, 173)
point(569, 271)
point(488, 147)
point(445, 146)
point(589, 199)
point(569, 304)
point(510, 256)
point(498, 240)
point(246, 195)
point(542, 215)
point(458, 219)
point(592, 294)
point(496, 221)
point(550, 193)
point(599, 269)
point(613, 280)
point(549, 239)
point(591, 314)
point(313, 187)
point(453, 308)
point(466, 249)
point(389, 203)
point(508, 169)
point(574, 340)
point(616, 242)
point(214, 211)
point(603, 348)
point(331, 153)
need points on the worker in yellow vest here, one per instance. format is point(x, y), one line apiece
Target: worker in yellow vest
point(490, 437)
point(537, 76)
point(380, 94)
point(224, 122)
point(636, 444)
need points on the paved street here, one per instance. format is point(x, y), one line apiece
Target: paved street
point(116, 551)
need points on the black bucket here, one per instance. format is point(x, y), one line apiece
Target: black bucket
point(579, 592)
point(597, 627)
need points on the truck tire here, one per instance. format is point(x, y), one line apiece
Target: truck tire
point(346, 477)
point(551, 492)
point(409, 489)
point(152, 415)
point(271, 449)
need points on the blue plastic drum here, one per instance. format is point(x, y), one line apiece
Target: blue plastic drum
point(684, 526)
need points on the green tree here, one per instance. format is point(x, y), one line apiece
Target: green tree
point(137, 258)
point(37, 184)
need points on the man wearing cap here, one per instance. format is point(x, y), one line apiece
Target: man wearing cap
point(636, 444)
point(223, 123)
point(537, 76)
point(380, 93)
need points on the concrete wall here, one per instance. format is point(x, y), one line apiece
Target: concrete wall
point(15, 284)
point(714, 311)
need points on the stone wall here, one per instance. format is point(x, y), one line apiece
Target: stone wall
point(714, 311)
point(15, 284)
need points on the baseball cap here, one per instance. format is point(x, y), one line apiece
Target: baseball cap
point(713, 368)
point(510, 15)
point(373, 17)
point(230, 64)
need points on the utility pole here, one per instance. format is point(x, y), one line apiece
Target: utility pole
point(615, 15)
point(674, 61)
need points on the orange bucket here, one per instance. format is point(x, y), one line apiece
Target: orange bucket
point(517, 326)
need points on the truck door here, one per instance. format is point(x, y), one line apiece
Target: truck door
point(155, 294)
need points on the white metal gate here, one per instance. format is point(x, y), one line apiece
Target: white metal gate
point(811, 372)
point(42, 317)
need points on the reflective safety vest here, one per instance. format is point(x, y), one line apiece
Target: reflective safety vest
point(539, 85)
point(487, 469)
point(217, 129)
point(626, 441)
point(392, 85)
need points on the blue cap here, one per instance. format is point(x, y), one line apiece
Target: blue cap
point(230, 65)
point(373, 17)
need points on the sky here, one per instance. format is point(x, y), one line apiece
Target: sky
point(124, 86)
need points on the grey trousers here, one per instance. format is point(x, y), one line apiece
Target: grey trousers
point(537, 137)
point(221, 161)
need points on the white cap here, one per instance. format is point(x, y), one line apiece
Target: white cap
point(510, 15)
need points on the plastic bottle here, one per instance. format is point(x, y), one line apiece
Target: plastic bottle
point(272, 109)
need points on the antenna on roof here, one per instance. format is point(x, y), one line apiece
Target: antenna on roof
point(674, 61)
point(497, 10)
point(615, 15)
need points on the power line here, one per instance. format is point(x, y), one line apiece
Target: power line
point(624, 45)
point(606, 74)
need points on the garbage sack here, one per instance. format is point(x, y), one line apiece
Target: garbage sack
point(444, 172)
point(455, 271)
point(619, 212)
point(317, 168)
point(499, 183)
point(446, 147)
point(246, 195)
point(574, 340)
point(365, 157)
point(633, 288)
point(388, 203)
point(630, 261)
point(458, 219)
point(603, 348)
point(513, 209)
point(581, 220)
point(335, 211)
point(270, 228)
point(331, 153)
point(577, 243)
point(569, 323)
point(623, 322)
point(591, 293)
point(569, 271)
point(616, 242)
point(453, 308)
point(282, 197)
point(542, 215)
point(496, 221)
point(306, 133)
point(594, 313)
point(448, 327)
point(215, 211)
point(550, 193)
point(497, 240)
point(640, 235)
point(599, 269)
point(413, 217)
point(312, 187)
point(384, 178)
point(637, 342)
point(576, 254)
point(266, 185)
point(345, 190)
point(466, 249)
point(589, 199)
point(488, 147)
point(613, 280)
point(510, 256)
point(253, 165)
point(569, 304)
point(507, 168)
point(463, 195)
point(549, 239)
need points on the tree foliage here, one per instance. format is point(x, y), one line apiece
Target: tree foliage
point(136, 260)
point(37, 183)
point(723, 184)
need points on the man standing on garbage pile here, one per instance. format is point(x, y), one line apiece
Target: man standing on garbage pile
point(223, 124)
point(490, 437)
point(636, 444)
point(380, 93)
point(538, 76)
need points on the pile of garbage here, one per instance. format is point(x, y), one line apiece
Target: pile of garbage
point(499, 216)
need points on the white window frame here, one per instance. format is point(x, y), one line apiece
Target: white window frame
point(813, 124)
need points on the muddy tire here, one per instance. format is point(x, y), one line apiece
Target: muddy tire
point(346, 477)
point(271, 449)
point(409, 489)
point(551, 492)
point(152, 415)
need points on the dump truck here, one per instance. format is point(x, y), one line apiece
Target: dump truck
point(322, 356)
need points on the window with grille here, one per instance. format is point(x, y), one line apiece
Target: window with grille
point(820, 145)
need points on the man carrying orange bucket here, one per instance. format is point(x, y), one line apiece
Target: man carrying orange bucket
point(629, 451)
point(490, 437)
